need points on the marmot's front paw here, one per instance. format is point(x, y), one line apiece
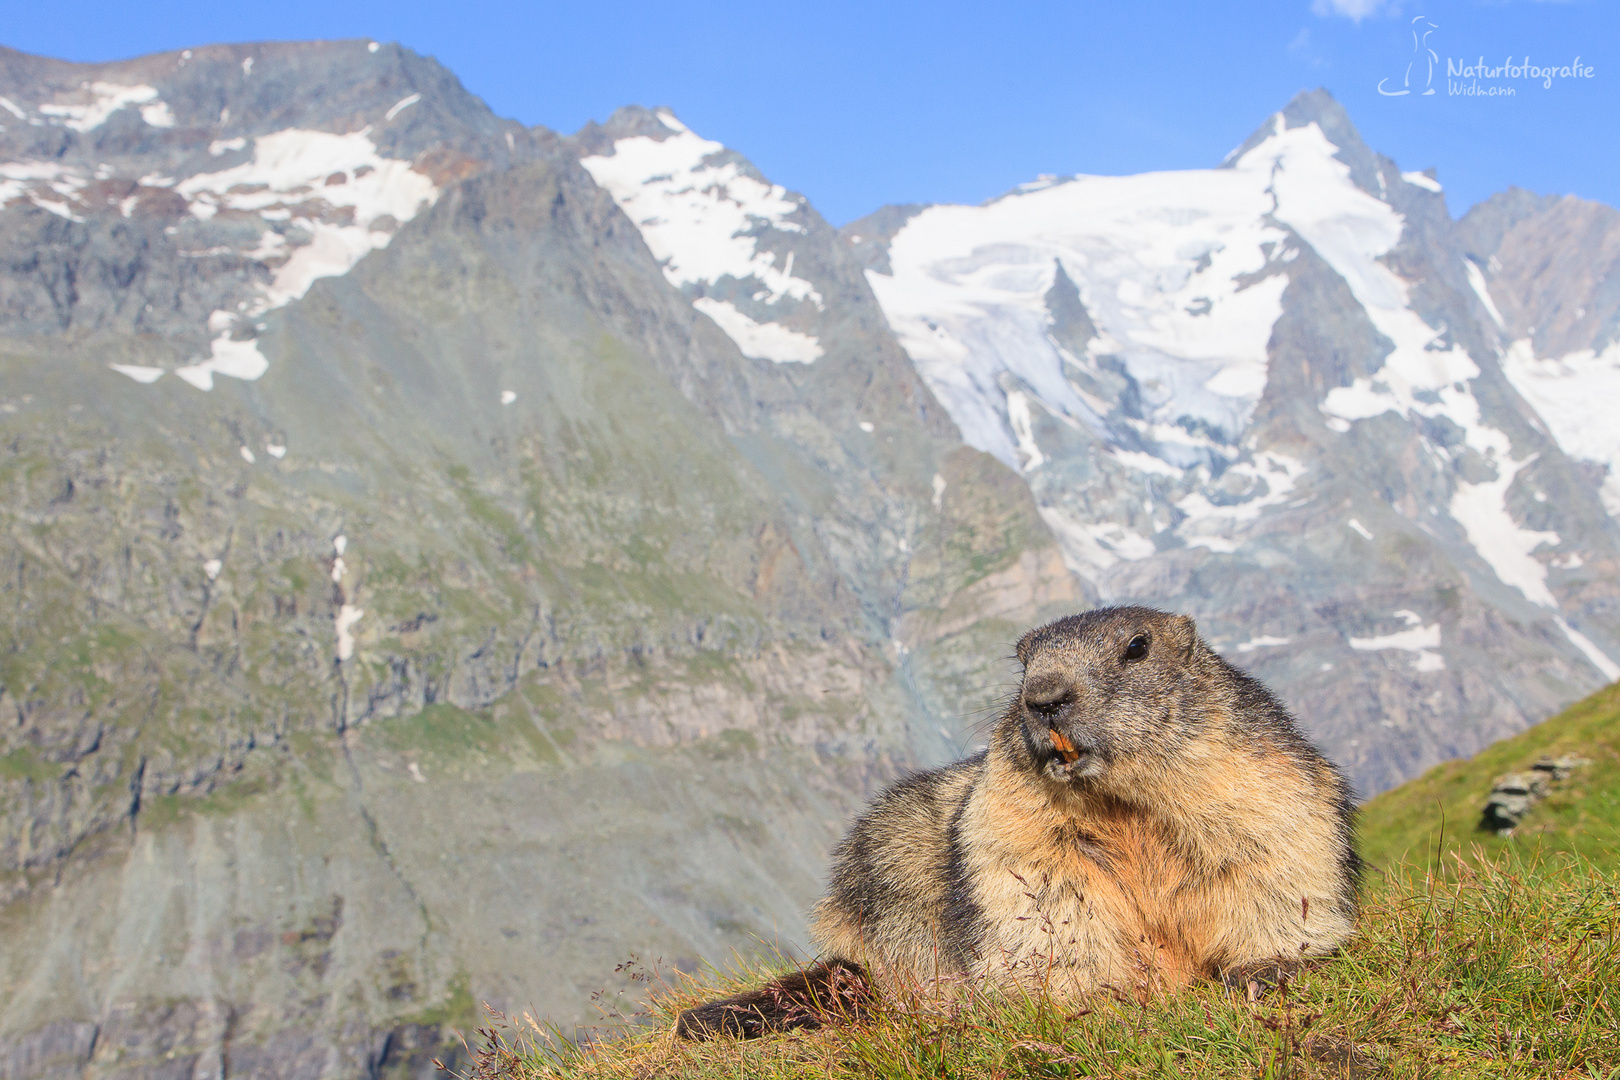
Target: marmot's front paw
point(827, 992)
point(734, 1018)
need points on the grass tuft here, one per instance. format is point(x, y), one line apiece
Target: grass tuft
point(1493, 965)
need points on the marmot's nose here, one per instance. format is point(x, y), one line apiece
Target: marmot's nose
point(1045, 695)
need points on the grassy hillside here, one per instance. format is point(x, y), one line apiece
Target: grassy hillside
point(1507, 964)
point(1440, 810)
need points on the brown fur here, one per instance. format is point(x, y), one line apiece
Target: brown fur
point(1177, 827)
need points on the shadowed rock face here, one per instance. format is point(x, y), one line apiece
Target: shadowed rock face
point(522, 595)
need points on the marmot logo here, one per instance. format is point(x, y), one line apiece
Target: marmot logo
point(1144, 815)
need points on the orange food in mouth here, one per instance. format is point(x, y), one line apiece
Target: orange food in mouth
point(1065, 748)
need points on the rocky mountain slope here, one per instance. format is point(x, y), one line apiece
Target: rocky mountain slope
point(1551, 264)
point(445, 558)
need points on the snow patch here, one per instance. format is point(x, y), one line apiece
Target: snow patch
point(1575, 396)
point(508, 396)
point(939, 491)
point(285, 181)
point(702, 217)
point(1091, 547)
point(1426, 661)
point(401, 105)
point(106, 99)
point(1146, 463)
point(275, 450)
point(139, 372)
point(1029, 453)
point(1481, 509)
point(1264, 641)
point(247, 455)
point(1265, 481)
point(343, 623)
point(1417, 639)
point(1417, 179)
point(158, 115)
point(761, 341)
point(49, 185)
point(1366, 534)
point(212, 568)
point(238, 359)
point(1476, 280)
point(221, 146)
point(1597, 656)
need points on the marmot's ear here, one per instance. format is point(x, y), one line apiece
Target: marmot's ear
point(1023, 647)
point(1185, 634)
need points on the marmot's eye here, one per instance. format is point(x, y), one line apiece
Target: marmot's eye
point(1137, 648)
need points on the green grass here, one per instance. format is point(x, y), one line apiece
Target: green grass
point(24, 763)
point(1503, 968)
point(1440, 810)
point(1475, 956)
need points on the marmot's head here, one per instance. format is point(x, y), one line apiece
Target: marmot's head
point(1106, 694)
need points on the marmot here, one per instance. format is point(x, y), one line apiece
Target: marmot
point(1144, 815)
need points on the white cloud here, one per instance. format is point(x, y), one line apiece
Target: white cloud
point(1350, 9)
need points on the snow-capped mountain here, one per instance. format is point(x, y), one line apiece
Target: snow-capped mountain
point(703, 213)
point(1269, 392)
point(1180, 278)
point(211, 203)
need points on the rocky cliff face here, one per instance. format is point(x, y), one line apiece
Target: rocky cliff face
point(444, 559)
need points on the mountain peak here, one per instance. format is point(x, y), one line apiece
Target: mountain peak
point(1320, 108)
point(629, 122)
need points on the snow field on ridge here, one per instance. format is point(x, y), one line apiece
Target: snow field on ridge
point(1155, 259)
point(1575, 397)
point(967, 294)
point(699, 218)
point(299, 177)
point(336, 188)
point(1352, 230)
point(106, 99)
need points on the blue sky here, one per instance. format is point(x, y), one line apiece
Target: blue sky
point(857, 105)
